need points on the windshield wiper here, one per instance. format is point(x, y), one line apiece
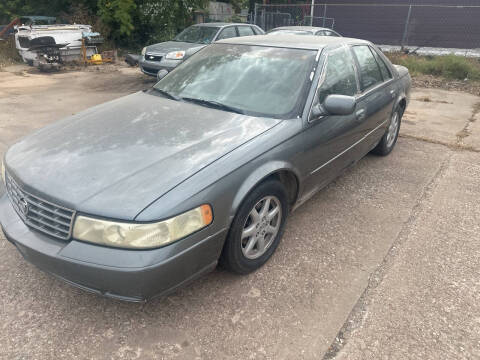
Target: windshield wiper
point(213, 104)
point(167, 94)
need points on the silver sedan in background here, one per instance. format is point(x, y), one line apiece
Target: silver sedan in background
point(169, 54)
point(303, 30)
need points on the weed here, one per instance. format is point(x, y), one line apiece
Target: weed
point(8, 52)
point(448, 66)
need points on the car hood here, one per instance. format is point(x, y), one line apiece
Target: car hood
point(115, 159)
point(168, 46)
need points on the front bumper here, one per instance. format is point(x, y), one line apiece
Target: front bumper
point(153, 67)
point(131, 275)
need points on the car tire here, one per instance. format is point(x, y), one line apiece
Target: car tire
point(389, 139)
point(239, 255)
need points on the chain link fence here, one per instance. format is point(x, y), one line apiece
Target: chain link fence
point(439, 28)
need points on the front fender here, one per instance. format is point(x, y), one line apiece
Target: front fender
point(256, 177)
point(399, 98)
point(403, 87)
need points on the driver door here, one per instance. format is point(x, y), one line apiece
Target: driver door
point(329, 139)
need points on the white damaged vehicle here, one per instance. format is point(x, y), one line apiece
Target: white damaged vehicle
point(52, 44)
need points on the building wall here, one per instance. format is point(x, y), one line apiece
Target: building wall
point(219, 11)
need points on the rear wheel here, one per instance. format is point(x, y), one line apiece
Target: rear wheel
point(389, 139)
point(257, 228)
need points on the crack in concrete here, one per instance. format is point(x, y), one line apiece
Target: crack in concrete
point(465, 132)
point(454, 147)
point(359, 312)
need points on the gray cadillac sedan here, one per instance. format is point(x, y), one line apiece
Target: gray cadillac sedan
point(140, 195)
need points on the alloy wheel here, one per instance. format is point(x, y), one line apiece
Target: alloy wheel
point(261, 227)
point(393, 129)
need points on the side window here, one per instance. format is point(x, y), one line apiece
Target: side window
point(339, 75)
point(383, 67)
point(245, 31)
point(320, 33)
point(227, 33)
point(370, 74)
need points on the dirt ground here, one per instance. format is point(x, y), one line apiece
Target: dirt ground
point(382, 264)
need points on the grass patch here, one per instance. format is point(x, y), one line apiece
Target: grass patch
point(448, 66)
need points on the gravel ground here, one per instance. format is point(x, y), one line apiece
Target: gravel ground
point(429, 81)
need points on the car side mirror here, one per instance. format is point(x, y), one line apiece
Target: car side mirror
point(161, 74)
point(340, 104)
point(334, 105)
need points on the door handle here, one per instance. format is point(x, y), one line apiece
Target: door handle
point(360, 114)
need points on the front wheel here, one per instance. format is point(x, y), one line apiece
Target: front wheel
point(256, 229)
point(389, 139)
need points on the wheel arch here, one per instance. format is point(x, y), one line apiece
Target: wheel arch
point(278, 170)
point(401, 102)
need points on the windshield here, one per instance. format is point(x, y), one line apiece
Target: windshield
point(289, 32)
point(197, 34)
point(254, 80)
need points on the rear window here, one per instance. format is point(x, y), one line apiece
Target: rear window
point(245, 31)
point(227, 33)
point(289, 32)
point(330, 33)
point(257, 31)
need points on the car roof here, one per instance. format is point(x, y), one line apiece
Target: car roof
point(293, 41)
point(219, 24)
point(301, 28)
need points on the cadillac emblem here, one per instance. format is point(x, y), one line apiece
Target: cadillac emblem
point(23, 205)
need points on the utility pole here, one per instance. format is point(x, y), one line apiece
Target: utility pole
point(311, 12)
point(405, 31)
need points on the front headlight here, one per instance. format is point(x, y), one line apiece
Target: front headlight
point(175, 55)
point(144, 51)
point(4, 176)
point(142, 236)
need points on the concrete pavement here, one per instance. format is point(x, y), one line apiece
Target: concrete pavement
point(380, 264)
point(424, 304)
point(422, 301)
point(444, 117)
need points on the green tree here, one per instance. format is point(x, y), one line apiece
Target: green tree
point(163, 19)
point(10, 9)
point(238, 5)
point(118, 16)
point(129, 23)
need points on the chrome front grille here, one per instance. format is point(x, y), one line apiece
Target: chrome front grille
point(153, 57)
point(39, 214)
